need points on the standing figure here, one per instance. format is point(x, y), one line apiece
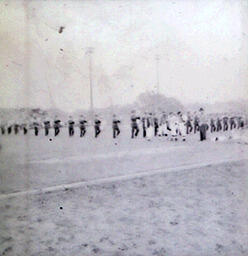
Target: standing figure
point(56, 126)
point(173, 126)
point(156, 126)
point(97, 126)
point(203, 125)
point(163, 124)
point(225, 123)
point(218, 125)
point(115, 126)
point(241, 122)
point(47, 126)
point(16, 128)
point(196, 124)
point(144, 124)
point(150, 127)
point(36, 127)
point(232, 123)
point(25, 128)
point(2, 129)
point(82, 126)
point(71, 126)
point(212, 125)
point(134, 125)
point(182, 120)
point(9, 128)
point(189, 126)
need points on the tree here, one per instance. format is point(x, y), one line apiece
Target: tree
point(151, 102)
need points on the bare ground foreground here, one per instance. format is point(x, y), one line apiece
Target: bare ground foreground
point(188, 212)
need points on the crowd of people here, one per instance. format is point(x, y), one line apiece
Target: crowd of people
point(179, 125)
point(174, 125)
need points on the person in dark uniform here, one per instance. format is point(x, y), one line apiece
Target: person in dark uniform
point(56, 126)
point(3, 129)
point(189, 127)
point(196, 124)
point(232, 123)
point(9, 128)
point(97, 126)
point(115, 125)
point(47, 126)
point(36, 126)
point(156, 125)
point(218, 125)
point(16, 128)
point(134, 125)
point(82, 126)
point(203, 125)
point(225, 123)
point(241, 122)
point(163, 124)
point(212, 125)
point(71, 126)
point(24, 128)
point(144, 124)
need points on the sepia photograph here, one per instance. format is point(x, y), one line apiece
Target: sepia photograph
point(124, 127)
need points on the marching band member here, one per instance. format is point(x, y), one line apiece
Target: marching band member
point(225, 123)
point(218, 125)
point(47, 126)
point(115, 126)
point(82, 126)
point(173, 124)
point(163, 125)
point(232, 123)
point(189, 126)
point(56, 125)
point(144, 124)
point(134, 124)
point(203, 125)
point(182, 120)
point(71, 126)
point(36, 126)
point(212, 125)
point(97, 126)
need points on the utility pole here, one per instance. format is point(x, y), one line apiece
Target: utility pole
point(89, 52)
point(157, 58)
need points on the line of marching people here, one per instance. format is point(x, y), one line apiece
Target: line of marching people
point(179, 125)
point(49, 125)
point(174, 125)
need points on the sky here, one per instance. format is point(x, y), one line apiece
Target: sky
point(202, 47)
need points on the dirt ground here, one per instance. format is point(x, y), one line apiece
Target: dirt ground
point(187, 212)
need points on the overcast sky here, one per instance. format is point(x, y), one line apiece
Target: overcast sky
point(202, 45)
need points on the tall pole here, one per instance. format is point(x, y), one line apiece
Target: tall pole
point(89, 52)
point(157, 78)
point(157, 58)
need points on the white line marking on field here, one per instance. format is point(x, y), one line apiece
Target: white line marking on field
point(117, 178)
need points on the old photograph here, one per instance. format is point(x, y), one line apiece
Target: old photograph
point(123, 128)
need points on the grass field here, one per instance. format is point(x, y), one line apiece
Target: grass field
point(72, 196)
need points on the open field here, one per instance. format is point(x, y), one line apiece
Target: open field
point(72, 196)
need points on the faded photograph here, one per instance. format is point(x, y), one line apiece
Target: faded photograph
point(123, 127)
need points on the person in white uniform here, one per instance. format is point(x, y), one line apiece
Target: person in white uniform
point(173, 124)
point(150, 127)
point(182, 125)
